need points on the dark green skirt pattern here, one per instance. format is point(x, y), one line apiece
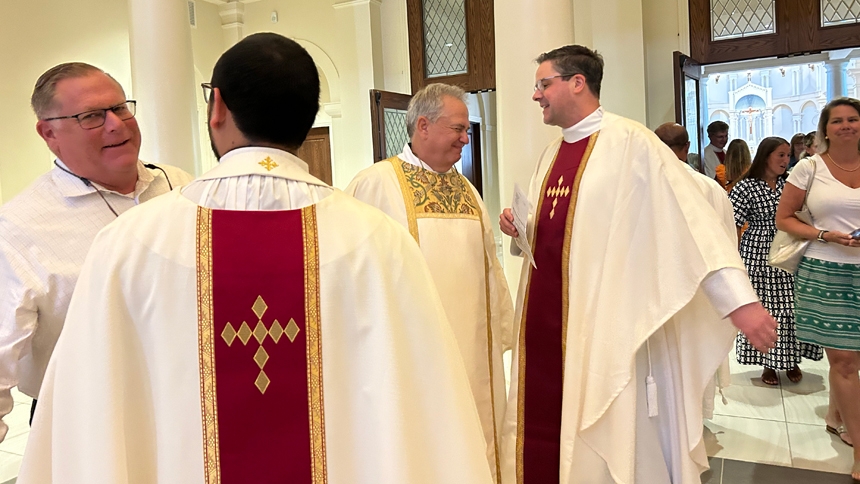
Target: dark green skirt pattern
point(827, 304)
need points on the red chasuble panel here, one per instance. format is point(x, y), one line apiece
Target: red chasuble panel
point(260, 355)
point(543, 329)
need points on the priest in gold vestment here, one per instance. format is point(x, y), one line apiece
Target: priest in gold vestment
point(422, 190)
point(258, 326)
point(619, 328)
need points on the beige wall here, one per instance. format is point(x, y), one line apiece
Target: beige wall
point(614, 28)
point(365, 47)
point(666, 29)
point(34, 36)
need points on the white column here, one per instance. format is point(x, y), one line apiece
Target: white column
point(768, 122)
point(162, 69)
point(734, 129)
point(836, 71)
point(358, 27)
point(522, 134)
point(232, 22)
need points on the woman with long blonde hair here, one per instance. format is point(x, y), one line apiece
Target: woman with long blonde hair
point(737, 162)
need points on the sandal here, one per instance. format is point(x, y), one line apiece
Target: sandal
point(794, 375)
point(838, 431)
point(769, 377)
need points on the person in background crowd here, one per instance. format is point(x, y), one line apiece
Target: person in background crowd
point(828, 278)
point(737, 163)
point(718, 134)
point(755, 198)
point(798, 149)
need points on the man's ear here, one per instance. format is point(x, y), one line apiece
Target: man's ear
point(422, 125)
point(578, 84)
point(217, 110)
point(48, 133)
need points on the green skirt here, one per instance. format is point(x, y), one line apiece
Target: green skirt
point(827, 304)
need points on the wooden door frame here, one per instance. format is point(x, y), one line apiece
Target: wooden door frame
point(798, 31)
point(379, 100)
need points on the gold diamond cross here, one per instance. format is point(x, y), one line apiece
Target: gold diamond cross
point(268, 164)
point(556, 192)
point(259, 333)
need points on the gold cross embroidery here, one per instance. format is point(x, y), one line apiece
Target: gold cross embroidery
point(259, 333)
point(556, 192)
point(268, 164)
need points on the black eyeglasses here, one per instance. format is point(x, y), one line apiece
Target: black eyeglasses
point(96, 118)
point(207, 91)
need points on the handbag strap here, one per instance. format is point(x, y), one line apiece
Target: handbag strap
point(809, 182)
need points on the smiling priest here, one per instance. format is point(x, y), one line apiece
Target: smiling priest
point(421, 189)
point(620, 326)
point(259, 326)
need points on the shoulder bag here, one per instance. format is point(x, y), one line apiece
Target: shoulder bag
point(786, 250)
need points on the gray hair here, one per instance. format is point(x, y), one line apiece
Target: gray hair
point(428, 103)
point(42, 99)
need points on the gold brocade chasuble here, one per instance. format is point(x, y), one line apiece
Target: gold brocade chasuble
point(543, 330)
point(260, 346)
point(428, 194)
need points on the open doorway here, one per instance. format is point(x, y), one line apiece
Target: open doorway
point(764, 97)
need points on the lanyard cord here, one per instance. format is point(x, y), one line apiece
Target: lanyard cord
point(90, 184)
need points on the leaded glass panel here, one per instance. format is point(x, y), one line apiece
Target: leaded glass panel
point(732, 19)
point(445, 37)
point(396, 136)
point(838, 12)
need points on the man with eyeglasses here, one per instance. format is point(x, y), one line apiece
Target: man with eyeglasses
point(258, 325)
point(619, 327)
point(46, 231)
point(449, 222)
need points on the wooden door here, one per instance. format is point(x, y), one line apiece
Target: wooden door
point(388, 123)
point(316, 152)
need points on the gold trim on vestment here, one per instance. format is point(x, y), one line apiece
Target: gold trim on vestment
point(427, 194)
point(521, 339)
point(411, 221)
point(565, 250)
point(313, 338)
point(490, 362)
point(206, 348)
point(565, 257)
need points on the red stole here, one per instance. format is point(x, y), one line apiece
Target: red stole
point(543, 329)
point(260, 355)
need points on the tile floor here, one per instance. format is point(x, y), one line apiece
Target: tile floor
point(780, 426)
point(12, 448)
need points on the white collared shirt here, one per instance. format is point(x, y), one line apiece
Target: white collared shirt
point(45, 234)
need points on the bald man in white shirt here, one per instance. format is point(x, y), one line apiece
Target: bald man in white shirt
point(46, 231)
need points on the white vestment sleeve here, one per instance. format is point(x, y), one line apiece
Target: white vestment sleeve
point(728, 289)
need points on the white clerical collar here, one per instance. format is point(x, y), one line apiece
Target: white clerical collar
point(257, 160)
point(409, 157)
point(585, 128)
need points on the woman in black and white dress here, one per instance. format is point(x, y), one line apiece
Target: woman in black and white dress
point(754, 199)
